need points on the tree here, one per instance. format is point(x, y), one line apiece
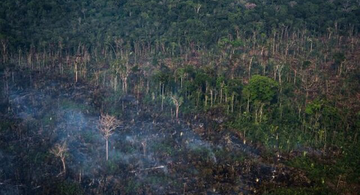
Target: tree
point(60, 150)
point(124, 74)
point(339, 59)
point(260, 91)
point(233, 88)
point(163, 77)
point(178, 102)
point(107, 125)
point(323, 116)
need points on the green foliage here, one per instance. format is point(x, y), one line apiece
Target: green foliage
point(132, 186)
point(201, 80)
point(112, 167)
point(40, 157)
point(48, 120)
point(163, 77)
point(165, 147)
point(261, 89)
point(68, 188)
point(234, 86)
point(94, 22)
point(349, 163)
point(202, 153)
point(316, 171)
point(224, 42)
point(68, 104)
point(324, 113)
point(357, 121)
point(88, 136)
point(306, 64)
point(339, 58)
point(5, 125)
point(321, 172)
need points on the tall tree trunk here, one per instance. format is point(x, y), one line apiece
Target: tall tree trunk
point(232, 102)
point(107, 149)
point(250, 64)
point(261, 112)
point(63, 164)
point(248, 105)
point(177, 112)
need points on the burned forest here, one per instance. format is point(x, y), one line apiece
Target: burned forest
point(179, 97)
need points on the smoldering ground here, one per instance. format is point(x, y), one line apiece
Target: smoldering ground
point(146, 155)
point(143, 148)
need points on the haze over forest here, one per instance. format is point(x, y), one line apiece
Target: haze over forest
point(179, 97)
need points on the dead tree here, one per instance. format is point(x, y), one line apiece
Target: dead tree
point(107, 125)
point(178, 102)
point(60, 150)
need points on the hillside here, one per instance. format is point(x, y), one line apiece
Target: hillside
point(179, 97)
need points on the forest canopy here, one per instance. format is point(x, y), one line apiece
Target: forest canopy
point(203, 23)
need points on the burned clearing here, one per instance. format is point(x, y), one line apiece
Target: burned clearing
point(148, 154)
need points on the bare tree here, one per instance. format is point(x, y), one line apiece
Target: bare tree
point(107, 125)
point(178, 102)
point(60, 150)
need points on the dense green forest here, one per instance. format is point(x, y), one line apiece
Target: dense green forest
point(172, 23)
point(268, 89)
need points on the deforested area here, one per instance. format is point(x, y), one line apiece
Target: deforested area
point(179, 97)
